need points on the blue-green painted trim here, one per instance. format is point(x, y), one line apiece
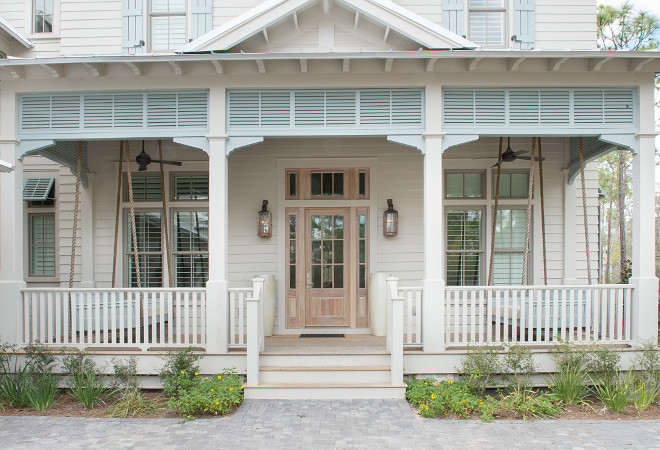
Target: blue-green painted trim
point(236, 142)
point(199, 142)
point(452, 140)
point(28, 146)
point(329, 131)
point(410, 140)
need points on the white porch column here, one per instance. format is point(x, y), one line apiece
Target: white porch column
point(87, 233)
point(11, 245)
point(645, 294)
point(433, 308)
point(570, 226)
point(216, 288)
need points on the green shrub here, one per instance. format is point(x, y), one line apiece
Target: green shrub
point(85, 380)
point(132, 403)
point(569, 384)
point(444, 397)
point(615, 394)
point(603, 363)
point(125, 374)
point(519, 363)
point(526, 403)
point(15, 383)
point(38, 358)
point(41, 394)
point(647, 362)
point(216, 394)
point(568, 355)
point(644, 394)
point(179, 370)
point(481, 365)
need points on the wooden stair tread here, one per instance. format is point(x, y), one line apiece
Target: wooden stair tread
point(324, 368)
point(322, 386)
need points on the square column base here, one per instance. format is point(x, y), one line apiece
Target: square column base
point(645, 308)
point(433, 316)
point(217, 316)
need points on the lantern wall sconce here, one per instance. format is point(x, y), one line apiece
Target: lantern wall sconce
point(264, 221)
point(390, 220)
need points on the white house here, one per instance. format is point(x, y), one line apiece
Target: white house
point(325, 109)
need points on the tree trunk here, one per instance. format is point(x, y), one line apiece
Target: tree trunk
point(608, 260)
point(622, 211)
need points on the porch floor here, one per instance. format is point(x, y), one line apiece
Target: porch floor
point(351, 344)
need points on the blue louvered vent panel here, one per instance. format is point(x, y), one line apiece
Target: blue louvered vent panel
point(64, 113)
point(305, 110)
point(539, 107)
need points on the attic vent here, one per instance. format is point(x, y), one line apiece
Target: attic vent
point(539, 107)
point(38, 189)
point(58, 113)
point(301, 110)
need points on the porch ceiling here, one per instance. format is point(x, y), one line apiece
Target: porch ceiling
point(448, 61)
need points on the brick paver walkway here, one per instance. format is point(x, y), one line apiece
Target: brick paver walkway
point(323, 424)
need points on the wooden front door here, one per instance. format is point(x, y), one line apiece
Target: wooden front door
point(326, 267)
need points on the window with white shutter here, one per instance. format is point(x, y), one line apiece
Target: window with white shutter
point(191, 187)
point(487, 22)
point(464, 247)
point(148, 227)
point(168, 24)
point(191, 249)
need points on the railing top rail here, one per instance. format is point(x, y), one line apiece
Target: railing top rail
point(410, 288)
point(559, 286)
point(73, 290)
point(241, 289)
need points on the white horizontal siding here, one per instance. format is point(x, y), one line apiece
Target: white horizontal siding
point(90, 27)
point(564, 24)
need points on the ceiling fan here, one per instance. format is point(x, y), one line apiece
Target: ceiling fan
point(143, 160)
point(509, 155)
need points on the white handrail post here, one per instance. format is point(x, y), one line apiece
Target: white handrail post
point(392, 291)
point(258, 293)
point(396, 342)
point(254, 331)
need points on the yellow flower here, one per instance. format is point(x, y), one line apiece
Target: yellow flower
point(217, 403)
point(449, 381)
point(463, 401)
point(182, 372)
point(529, 398)
point(206, 378)
point(211, 390)
point(427, 407)
point(547, 392)
point(196, 374)
point(435, 384)
point(421, 406)
point(231, 389)
point(481, 402)
point(219, 377)
point(425, 383)
point(432, 395)
point(241, 387)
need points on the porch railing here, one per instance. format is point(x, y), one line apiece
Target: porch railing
point(115, 317)
point(238, 315)
point(538, 314)
point(412, 314)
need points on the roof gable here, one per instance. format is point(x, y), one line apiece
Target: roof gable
point(327, 25)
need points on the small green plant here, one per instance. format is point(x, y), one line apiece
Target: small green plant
point(216, 394)
point(15, 384)
point(179, 370)
point(568, 355)
point(526, 403)
point(481, 365)
point(519, 363)
point(615, 394)
point(644, 394)
point(647, 362)
point(38, 358)
point(603, 363)
point(569, 384)
point(42, 393)
point(132, 403)
point(125, 374)
point(85, 381)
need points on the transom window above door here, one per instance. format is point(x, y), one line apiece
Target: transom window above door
point(327, 184)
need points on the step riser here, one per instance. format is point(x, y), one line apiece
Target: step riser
point(324, 393)
point(325, 377)
point(324, 360)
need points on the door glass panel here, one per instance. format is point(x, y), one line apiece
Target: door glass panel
point(292, 184)
point(339, 276)
point(363, 226)
point(316, 227)
point(362, 184)
point(362, 251)
point(316, 277)
point(316, 252)
point(363, 276)
point(339, 252)
point(327, 227)
point(339, 227)
point(339, 184)
point(327, 252)
point(327, 277)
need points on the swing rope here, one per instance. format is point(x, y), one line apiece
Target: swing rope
point(545, 265)
point(584, 210)
point(528, 226)
point(497, 198)
point(129, 182)
point(76, 208)
point(164, 196)
point(118, 212)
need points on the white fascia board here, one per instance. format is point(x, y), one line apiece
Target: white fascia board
point(409, 24)
point(6, 167)
point(246, 25)
point(14, 34)
point(414, 27)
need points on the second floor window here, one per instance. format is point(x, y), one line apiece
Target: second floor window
point(42, 12)
point(168, 24)
point(487, 21)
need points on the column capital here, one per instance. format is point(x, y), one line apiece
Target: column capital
point(10, 141)
point(221, 137)
point(651, 135)
point(439, 135)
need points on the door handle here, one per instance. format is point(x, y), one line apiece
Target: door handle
point(309, 280)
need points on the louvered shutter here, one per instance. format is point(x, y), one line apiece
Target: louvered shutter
point(201, 18)
point(453, 16)
point(132, 39)
point(524, 27)
point(37, 189)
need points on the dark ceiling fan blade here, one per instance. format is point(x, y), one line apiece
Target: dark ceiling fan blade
point(174, 163)
point(521, 152)
point(528, 158)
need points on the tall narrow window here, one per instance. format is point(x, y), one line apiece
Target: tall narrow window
point(292, 251)
point(362, 251)
point(487, 22)
point(464, 247)
point(191, 251)
point(168, 24)
point(148, 228)
point(509, 246)
point(42, 245)
point(42, 13)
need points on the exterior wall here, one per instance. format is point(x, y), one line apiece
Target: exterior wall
point(94, 27)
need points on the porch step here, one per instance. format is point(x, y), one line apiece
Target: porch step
point(324, 374)
point(334, 391)
point(324, 359)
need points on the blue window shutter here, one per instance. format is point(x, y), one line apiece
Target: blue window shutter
point(453, 16)
point(132, 38)
point(201, 17)
point(524, 27)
